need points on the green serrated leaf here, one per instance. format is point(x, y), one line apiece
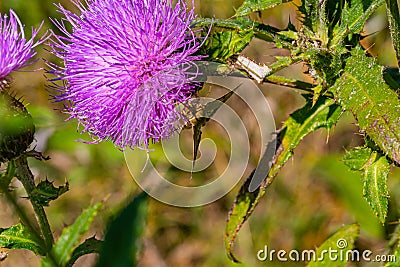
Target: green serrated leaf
point(331, 22)
point(239, 24)
point(250, 6)
point(317, 92)
point(348, 187)
point(320, 26)
point(222, 43)
point(375, 188)
point(283, 39)
point(289, 34)
point(18, 237)
point(284, 81)
point(283, 62)
point(343, 242)
point(362, 90)
point(71, 236)
point(238, 216)
point(123, 238)
point(324, 114)
point(357, 158)
point(45, 191)
point(91, 245)
point(353, 18)
point(227, 37)
point(375, 169)
point(314, 20)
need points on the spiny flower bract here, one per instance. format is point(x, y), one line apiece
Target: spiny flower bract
point(126, 66)
point(15, 50)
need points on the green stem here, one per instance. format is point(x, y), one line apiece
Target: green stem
point(292, 83)
point(24, 218)
point(24, 174)
point(22, 213)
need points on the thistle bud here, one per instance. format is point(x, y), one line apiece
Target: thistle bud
point(16, 127)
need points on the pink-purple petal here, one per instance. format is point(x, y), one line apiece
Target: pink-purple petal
point(125, 65)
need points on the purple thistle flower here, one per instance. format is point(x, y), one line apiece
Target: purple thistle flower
point(126, 67)
point(15, 50)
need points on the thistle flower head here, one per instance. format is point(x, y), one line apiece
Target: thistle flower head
point(126, 66)
point(15, 50)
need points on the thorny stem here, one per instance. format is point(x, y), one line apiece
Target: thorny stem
point(292, 83)
point(24, 174)
point(21, 213)
point(304, 87)
point(24, 217)
point(264, 74)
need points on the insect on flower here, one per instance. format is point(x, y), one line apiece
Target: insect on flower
point(126, 67)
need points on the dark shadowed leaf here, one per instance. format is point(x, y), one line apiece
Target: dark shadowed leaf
point(45, 191)
point(324, 114)
point(91, 245)
point(391, 75)
point(123, 238)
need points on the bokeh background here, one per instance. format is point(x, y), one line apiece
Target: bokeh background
point(313, 195)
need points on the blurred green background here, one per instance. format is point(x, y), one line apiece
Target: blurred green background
point(313, 196)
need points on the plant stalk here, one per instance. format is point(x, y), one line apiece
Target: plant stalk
point(24, 174)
